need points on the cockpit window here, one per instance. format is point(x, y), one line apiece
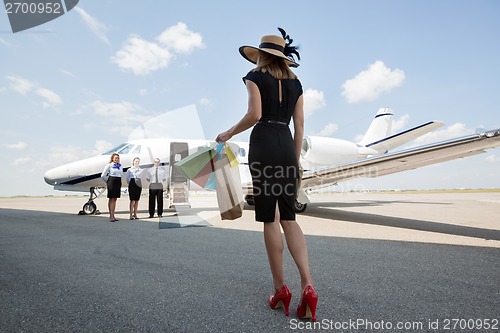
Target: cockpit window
point(137, 150)
point(115, 150)
point(126, 149)
point(121, 149)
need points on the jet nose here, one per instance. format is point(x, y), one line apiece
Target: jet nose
point(51, 177)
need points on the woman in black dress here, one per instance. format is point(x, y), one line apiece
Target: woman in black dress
point(274, 98)
point(134, 186)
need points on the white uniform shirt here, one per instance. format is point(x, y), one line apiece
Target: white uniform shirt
point(133, 173)
point(111, 170)
point(151, 176)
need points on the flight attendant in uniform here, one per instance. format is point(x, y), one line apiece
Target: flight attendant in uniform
point(112, 175)
point(133, 178)
point(275, 96)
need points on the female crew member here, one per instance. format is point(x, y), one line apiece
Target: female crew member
point(134, 186)
point(112, 175)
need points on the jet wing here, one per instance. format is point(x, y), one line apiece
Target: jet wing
point(412, 158)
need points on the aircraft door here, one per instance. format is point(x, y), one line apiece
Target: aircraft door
point(179, 183)
point(178, 150)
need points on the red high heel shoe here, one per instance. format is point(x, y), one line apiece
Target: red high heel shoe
point(281, 297)
point(307, 307)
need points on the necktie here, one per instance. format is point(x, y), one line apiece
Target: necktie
point(157, 175)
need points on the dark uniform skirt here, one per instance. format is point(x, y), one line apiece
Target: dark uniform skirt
point(274, 169)
point(134, 189)
point(114, 187)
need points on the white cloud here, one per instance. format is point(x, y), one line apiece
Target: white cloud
point(21, 161)
point(24, 87)
point(18, 145)
point(313, 100)
point(68, 73)
point(51, 98)
point(100, 147)
point(98, 28)
point(180, 39)
point(142, 57)
point(125, 116)
point(121, 110)
point(369, 84)
point(142, 92)
point(62, 154)
point(206, 102)
point(20, 84)
point(328, 130)
point(400, 124)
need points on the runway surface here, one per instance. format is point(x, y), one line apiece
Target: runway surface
point(381, 262)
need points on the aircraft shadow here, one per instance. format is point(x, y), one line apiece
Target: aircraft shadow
point(322, 210)
point(334, 211)
point(371, 203)
point(184, 211)
point(169, 211)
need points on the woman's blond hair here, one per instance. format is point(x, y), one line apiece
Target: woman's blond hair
point(276, 66)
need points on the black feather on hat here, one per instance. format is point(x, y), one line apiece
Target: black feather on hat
point(275, 45)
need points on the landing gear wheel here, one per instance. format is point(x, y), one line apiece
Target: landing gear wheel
point(250, 200)
point(299, 207)
point(89, 208)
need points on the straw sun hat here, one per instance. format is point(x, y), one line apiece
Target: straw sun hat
point(274, 45)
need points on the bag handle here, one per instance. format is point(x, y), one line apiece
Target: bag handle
point(231, 155)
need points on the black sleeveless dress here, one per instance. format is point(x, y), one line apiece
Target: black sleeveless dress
point(272, 158)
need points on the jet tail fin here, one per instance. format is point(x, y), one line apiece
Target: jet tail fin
point(379, 128)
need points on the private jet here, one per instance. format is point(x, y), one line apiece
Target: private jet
point(325, 161)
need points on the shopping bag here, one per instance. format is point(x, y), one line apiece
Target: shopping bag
point(233, 161)
point(211, 183)
point(229, 192)
point(202, 178)
point(198, 163)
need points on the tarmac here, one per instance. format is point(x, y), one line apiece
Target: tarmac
point(398, 262)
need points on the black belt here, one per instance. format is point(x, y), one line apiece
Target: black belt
point(273, 122)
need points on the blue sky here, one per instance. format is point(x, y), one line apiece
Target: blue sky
point(77, 86)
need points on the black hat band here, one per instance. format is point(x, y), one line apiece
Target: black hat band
point(272, 46)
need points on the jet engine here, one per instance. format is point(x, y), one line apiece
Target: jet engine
point(320, 151)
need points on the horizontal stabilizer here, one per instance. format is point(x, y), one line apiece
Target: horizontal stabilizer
point(402, 138)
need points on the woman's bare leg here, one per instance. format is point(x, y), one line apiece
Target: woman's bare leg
point(274, 248)
point(112, 208)
point(297, 246)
